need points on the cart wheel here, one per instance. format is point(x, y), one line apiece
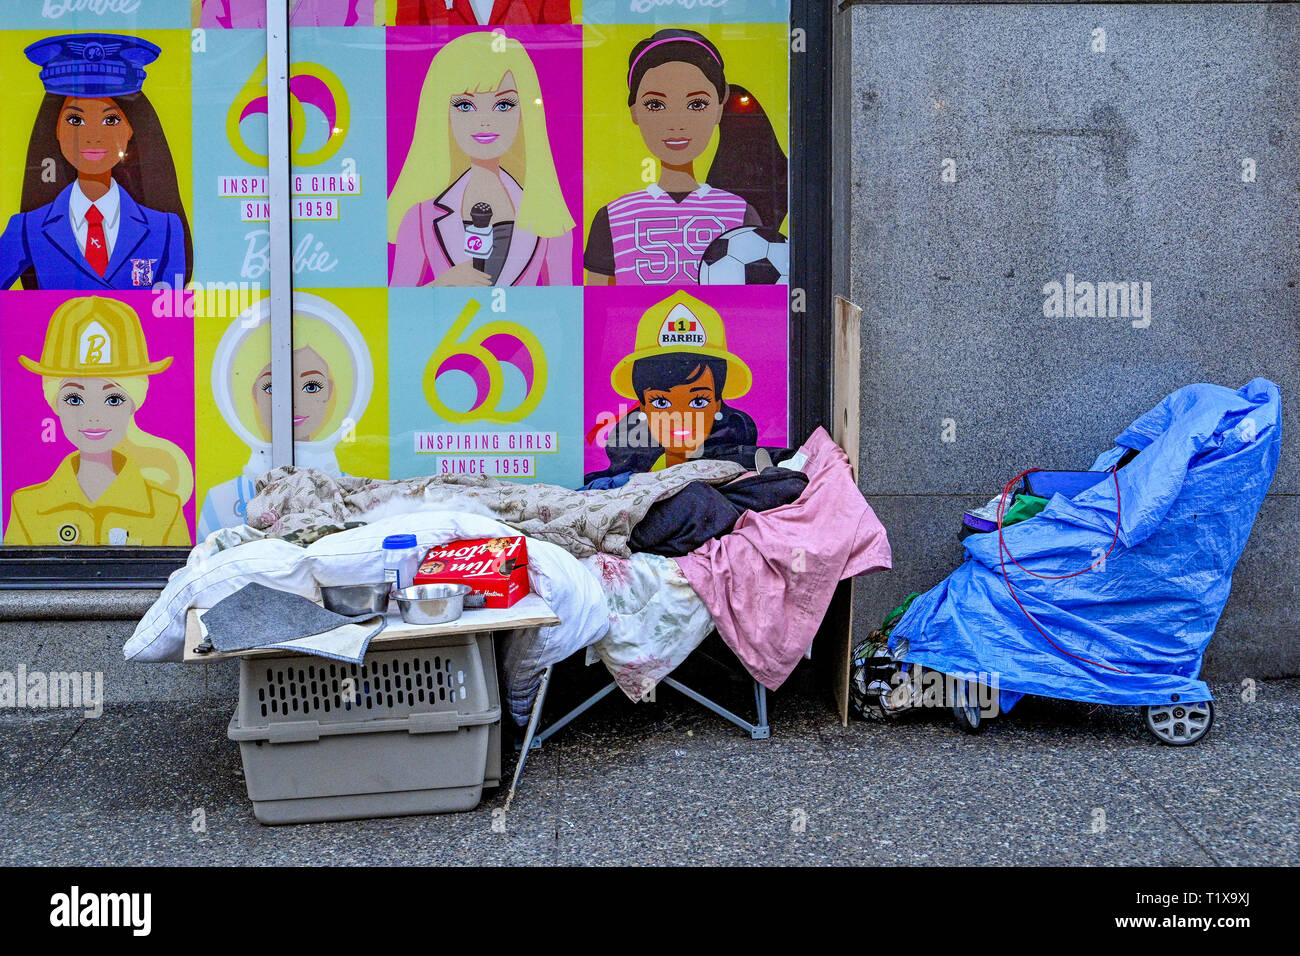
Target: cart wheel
point(968, 716)
point(1179, 725)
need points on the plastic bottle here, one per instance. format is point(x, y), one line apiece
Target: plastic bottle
point(401, 560)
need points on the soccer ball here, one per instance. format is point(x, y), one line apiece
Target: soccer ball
point(746, 255)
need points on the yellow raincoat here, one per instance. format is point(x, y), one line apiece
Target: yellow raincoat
point(131, 511)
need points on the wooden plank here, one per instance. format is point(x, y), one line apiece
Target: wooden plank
point(530, 611)
point(846, 396)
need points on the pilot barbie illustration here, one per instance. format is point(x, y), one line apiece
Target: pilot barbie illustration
point(681, 375)
point(465, 218)
point(100, 205)
point(678, 95)
point(120, 485)
point(331, 379)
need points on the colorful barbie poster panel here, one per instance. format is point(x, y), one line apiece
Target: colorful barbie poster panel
point(251, 14)
point(117, 15)
point(230, 171)
point(486, 382)
point(483, 13)
point(98, 439)
point(672, 12)
point(96, 185)
point(690, 126)
point(672, 372)
point(337, 97)
point(485, 156)
point(336, 91)
point(340, 404)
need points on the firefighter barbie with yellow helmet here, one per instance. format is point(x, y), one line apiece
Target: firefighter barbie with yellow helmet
point(121, 486)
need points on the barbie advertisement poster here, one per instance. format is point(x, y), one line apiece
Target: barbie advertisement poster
point(535, 240)
point(677, 375)
point(484, 156)
point(98, 439)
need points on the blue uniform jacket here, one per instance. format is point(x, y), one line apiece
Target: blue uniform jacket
point(150, 248)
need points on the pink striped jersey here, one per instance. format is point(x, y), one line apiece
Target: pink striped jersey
point(658, 240)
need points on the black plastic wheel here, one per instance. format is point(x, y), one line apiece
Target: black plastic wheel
point(969, 717)
point(1179, 724)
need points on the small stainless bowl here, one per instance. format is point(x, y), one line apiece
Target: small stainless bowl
point(354, 599)
point(432, 603)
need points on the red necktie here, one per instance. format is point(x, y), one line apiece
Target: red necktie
point(96, 244)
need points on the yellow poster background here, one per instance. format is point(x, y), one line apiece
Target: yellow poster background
point(166, 83)
point(221, 454)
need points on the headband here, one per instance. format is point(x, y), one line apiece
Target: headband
point(632, 69)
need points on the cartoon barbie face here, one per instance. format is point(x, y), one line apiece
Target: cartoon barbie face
point(313, 387)
point(93, 134)
point(677, 109)
point(484, 125)
point(95, 413)
point(681, 418)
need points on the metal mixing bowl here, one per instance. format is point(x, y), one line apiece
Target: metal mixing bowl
point(354, 599)
point(432, 603)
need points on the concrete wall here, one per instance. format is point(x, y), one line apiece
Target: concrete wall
point(1117, 165)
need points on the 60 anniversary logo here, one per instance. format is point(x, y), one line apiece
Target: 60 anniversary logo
point(310, 84)
point(480, 356)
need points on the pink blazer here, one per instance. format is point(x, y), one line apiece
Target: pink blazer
point(431, 239)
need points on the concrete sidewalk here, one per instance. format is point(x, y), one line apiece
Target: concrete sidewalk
point(667, 783)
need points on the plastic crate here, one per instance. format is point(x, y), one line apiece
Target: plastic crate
point(417, 730)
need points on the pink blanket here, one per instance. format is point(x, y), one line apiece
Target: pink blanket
point(769, 582)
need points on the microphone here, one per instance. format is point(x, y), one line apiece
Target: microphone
point(478, 235)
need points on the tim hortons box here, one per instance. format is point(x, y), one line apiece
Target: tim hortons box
point(496, 568)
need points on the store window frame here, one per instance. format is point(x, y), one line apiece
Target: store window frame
point(97, 567)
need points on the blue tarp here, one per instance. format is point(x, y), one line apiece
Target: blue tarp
point(1188, 502)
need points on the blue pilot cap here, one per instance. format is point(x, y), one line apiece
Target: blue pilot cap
point(92, 64)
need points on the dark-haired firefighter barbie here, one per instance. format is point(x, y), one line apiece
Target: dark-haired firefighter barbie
point(680, 374)
point(678, 95)
point(110, 217)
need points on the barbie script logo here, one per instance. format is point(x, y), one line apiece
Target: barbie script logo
point(53, 9)
point(309, 255)
point(646, 6)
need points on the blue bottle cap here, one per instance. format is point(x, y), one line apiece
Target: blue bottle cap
point(398, 542)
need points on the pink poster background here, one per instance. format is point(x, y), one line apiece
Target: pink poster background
point(168, 410)
point(251, 14)
point(556, 52)
point(756, 319)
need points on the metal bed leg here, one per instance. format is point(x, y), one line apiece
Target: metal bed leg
point(533, 718)
point(578, 711)
point(758, 731)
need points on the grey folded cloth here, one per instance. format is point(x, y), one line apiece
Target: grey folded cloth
point(256, 616)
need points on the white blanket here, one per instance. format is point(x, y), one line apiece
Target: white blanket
point(356, 556)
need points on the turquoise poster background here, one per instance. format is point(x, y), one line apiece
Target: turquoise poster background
point(508, 379)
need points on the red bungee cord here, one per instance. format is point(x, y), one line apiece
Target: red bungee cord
point(1004, 552)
